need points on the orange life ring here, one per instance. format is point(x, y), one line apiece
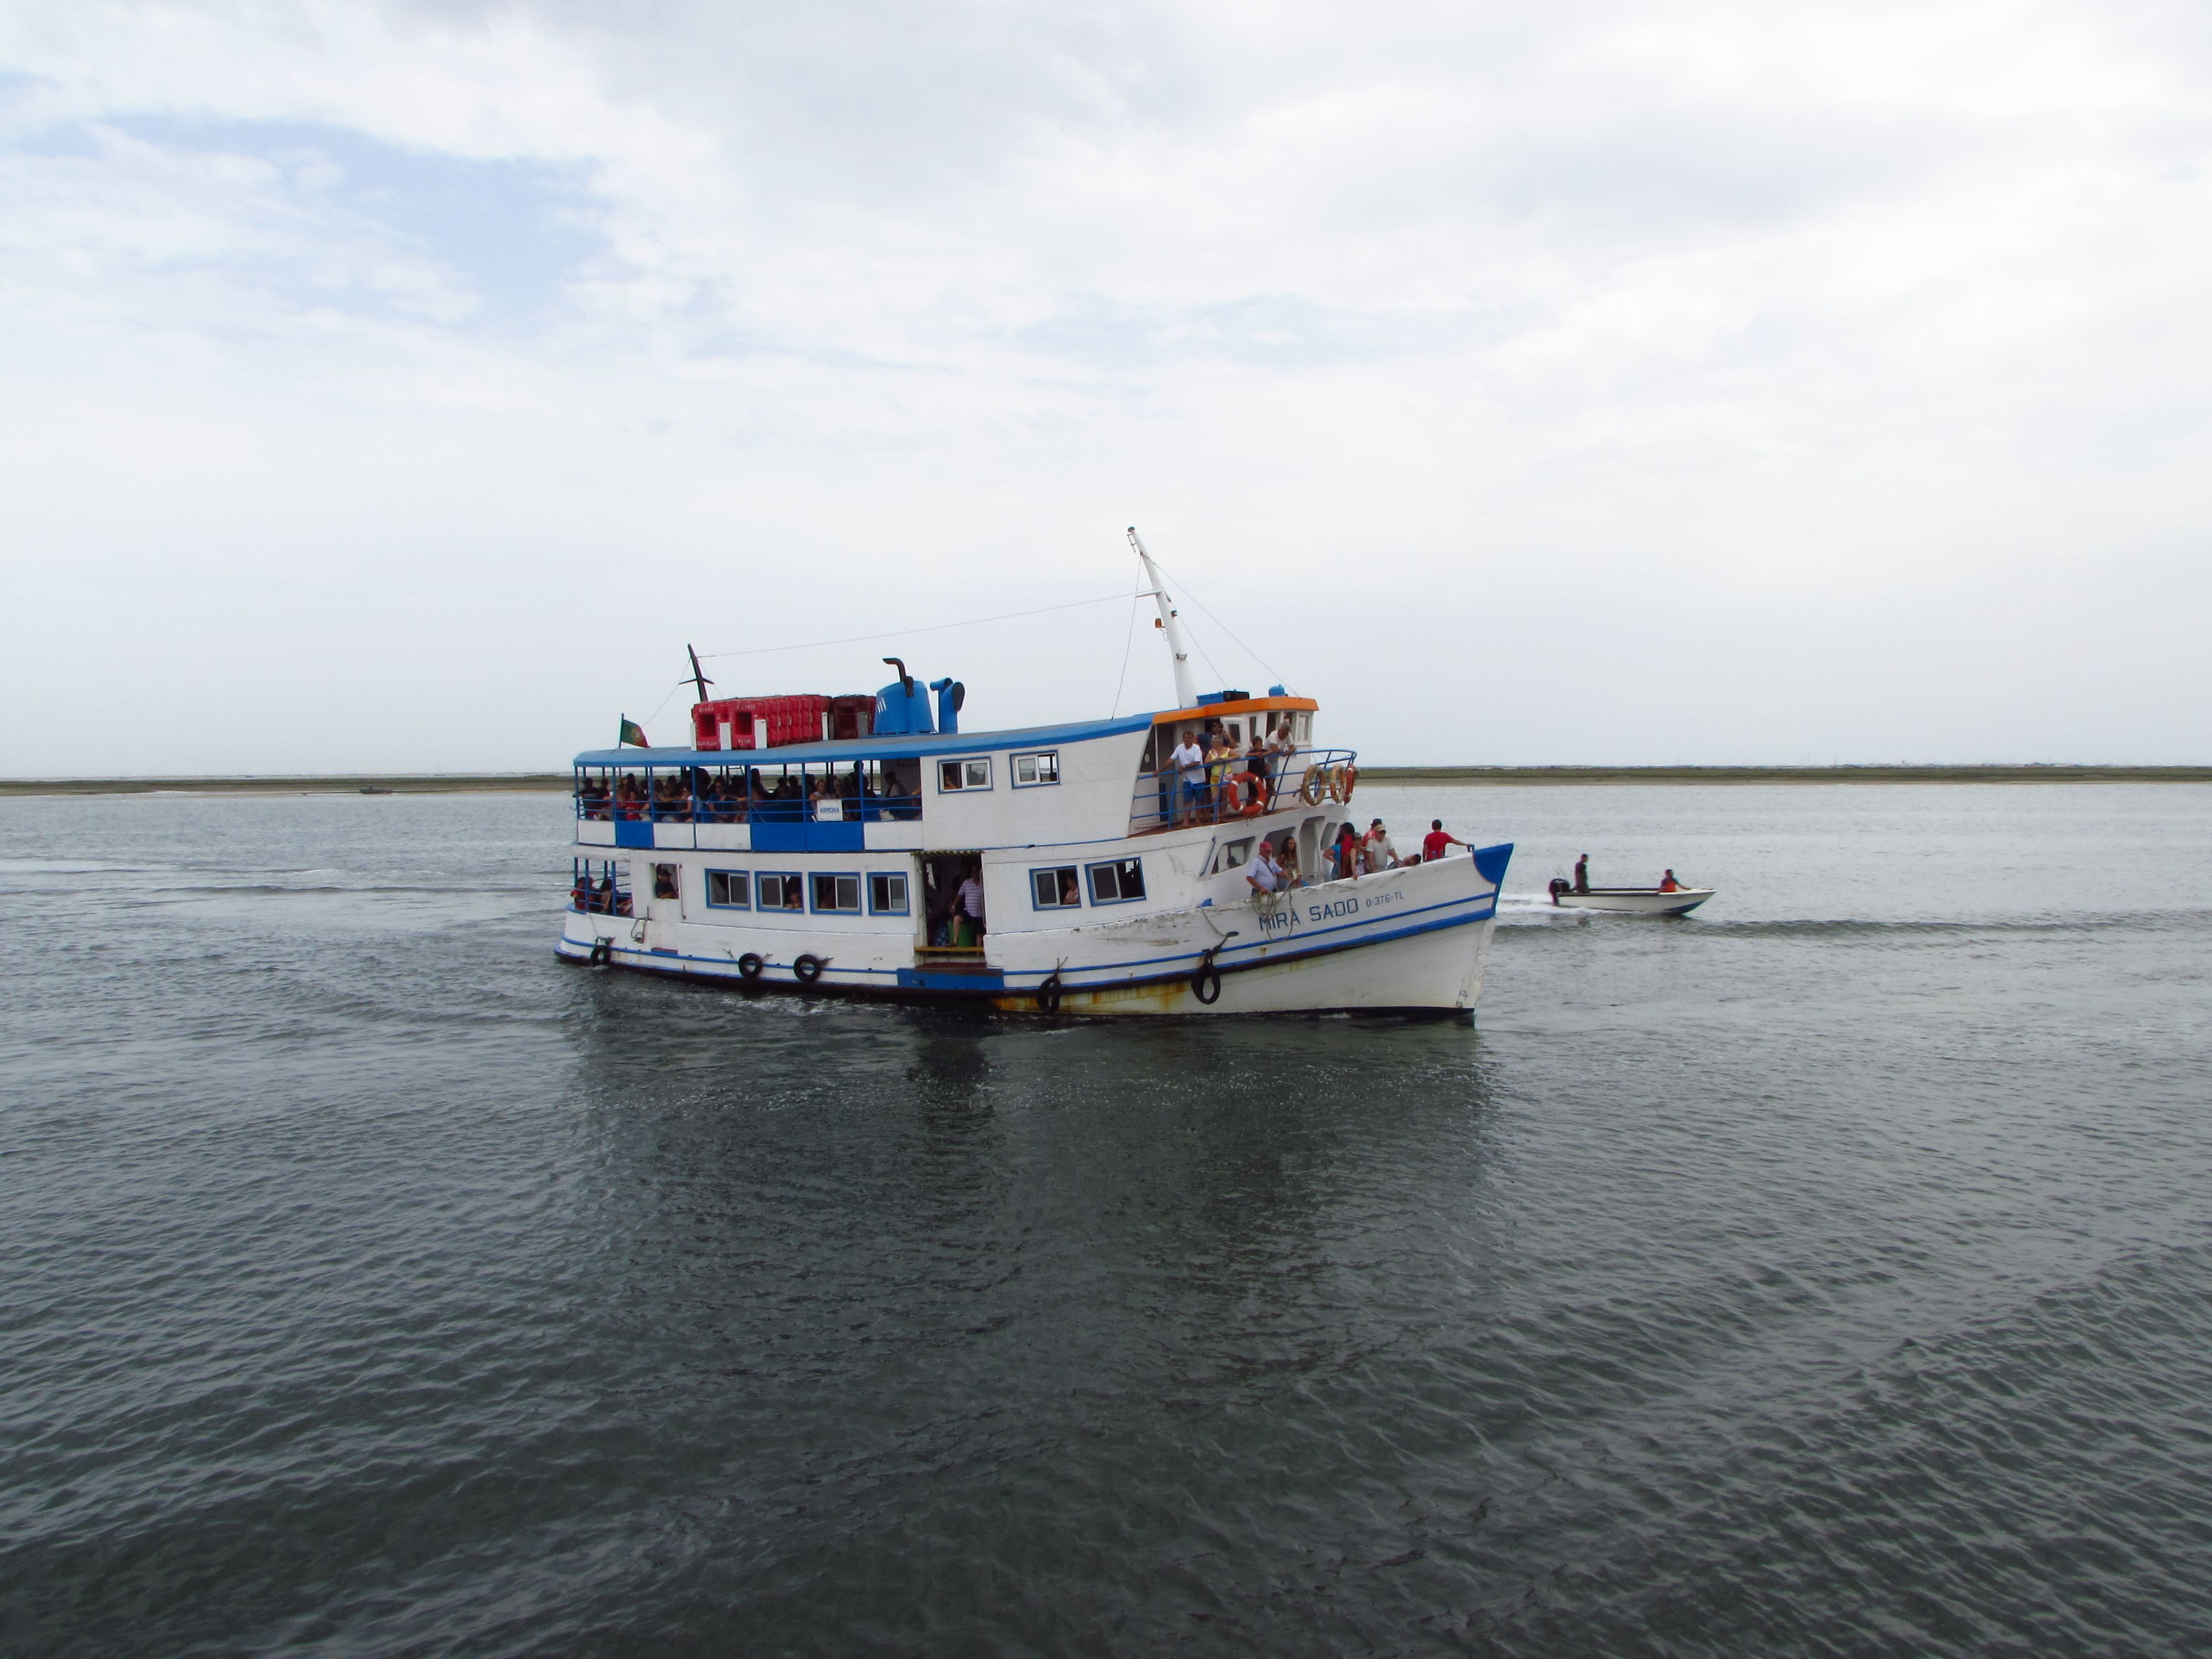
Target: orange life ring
point(1341, 781)
point(1256, 804)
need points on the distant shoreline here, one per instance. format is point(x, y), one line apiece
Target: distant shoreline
point(460, 783)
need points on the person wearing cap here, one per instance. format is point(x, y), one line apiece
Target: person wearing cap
point(1433, 843)
point(1379, 852)
point(1263, 875)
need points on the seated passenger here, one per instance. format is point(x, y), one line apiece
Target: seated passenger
point(605, 904)
point(1668, 884)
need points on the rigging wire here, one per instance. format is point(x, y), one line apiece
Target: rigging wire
point(901, 633)
point(1129, 643)
point(1192, 596)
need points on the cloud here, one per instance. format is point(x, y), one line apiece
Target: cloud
point(1547, 365)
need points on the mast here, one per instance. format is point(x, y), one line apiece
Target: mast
point(1186, 688)
point(698, 678)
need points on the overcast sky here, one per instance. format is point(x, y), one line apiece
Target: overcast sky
point(402, 386)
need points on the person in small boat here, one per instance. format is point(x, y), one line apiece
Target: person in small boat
point(1433, 843)
point(1188, 759)
point(1668, 884)
point(1582, 873)
point(1263, 875)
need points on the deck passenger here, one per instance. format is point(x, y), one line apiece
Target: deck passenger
point(1189, 760)
point(605, 904)
point(1344, 857)
point(1263, 875)
point(968, 905)
point(1256, 762)
point(1288, 865)
point(1381, 851)
point(1433, 843)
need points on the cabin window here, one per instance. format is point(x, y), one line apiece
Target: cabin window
point(1030, 769)
point(1055, 888)
point(1233, 855)
point(779, 892)
point(955, 776)
point(729, 889)
point(1118, 882)
point(837, 894)
point(664, 881)
point(887, 894)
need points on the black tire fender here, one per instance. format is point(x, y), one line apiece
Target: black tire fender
point(1049, 994)
point(750, 966)
point(1206, 983)
point(807, 969)
point(603, 953)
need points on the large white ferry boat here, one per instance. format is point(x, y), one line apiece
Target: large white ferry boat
point(841, 844)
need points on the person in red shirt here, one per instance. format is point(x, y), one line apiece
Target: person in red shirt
point(1433, 843)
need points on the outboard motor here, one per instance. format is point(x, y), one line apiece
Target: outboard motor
point(903, 707)
point(952, 697)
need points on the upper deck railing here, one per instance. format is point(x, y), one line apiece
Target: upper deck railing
point(1231, 791)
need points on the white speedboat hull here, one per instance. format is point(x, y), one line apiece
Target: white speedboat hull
point(1635, 900)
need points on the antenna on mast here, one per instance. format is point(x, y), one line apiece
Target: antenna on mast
point(698, 678)
point(1186, 688)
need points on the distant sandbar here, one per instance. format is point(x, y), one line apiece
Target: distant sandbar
point(457, 783)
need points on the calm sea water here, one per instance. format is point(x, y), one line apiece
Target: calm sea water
point(1828, 1272)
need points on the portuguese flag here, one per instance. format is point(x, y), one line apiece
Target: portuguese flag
point(632, 732)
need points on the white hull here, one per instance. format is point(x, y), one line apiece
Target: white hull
point(1635, 900)
point(1410, 939)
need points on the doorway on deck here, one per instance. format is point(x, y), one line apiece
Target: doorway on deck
point(943, 934)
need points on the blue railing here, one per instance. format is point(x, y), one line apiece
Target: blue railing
point(725, 800)
point(1305, 776)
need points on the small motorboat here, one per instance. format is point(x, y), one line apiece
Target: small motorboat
point(1629, 901)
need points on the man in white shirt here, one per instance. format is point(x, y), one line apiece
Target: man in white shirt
point(1263, 873)
point(1189, 760)
point(1380, 853)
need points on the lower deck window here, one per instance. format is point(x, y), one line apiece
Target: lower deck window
point(664, 881)
point(837, 894)
point(887, 894)
point(729, 889)
point(779, 892)
point(1055, 888)
point(1234, 855)
point(1111, 884)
